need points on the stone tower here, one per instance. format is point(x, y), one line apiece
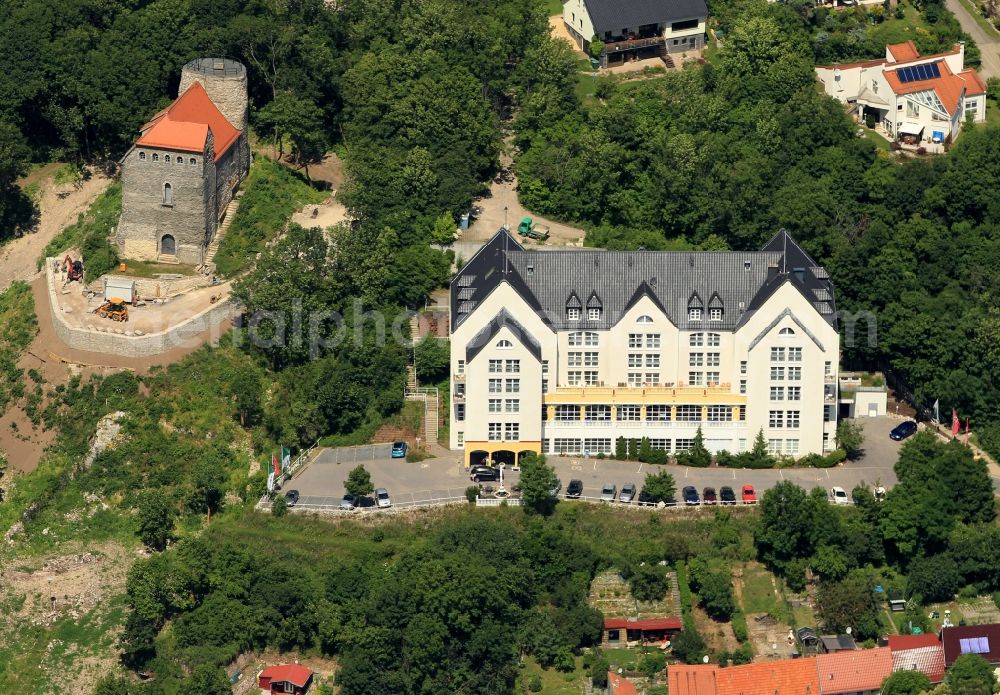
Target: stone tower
point(225, 80)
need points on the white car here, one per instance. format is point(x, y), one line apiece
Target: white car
point(382, 499)
point(839, 495)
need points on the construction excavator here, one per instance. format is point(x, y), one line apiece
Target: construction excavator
point(73, 269)
point(114, 309)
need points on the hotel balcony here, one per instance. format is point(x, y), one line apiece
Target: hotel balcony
point(722, 394)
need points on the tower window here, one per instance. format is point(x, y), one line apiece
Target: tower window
point(168, 194)
point(166, 158)
point(194, 161)
point(156, 157)
point(142, 156)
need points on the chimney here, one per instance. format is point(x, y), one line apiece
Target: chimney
point(772, 271)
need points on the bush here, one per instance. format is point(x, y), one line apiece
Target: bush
point(471, 493)
point(740, 629)
point(652, 664)
point(649, 582)
point(894, 146)
point(279, 506)
point(535, 683)
point(834, 457)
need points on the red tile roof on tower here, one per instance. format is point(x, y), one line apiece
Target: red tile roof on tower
point(903, 51)
point(691, 680)
point(295, 674)
point(184, 125)
point(853, 671)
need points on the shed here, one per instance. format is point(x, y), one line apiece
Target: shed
point(807, 638)
point(285, 678)
point(119, 287)
point(837, 643)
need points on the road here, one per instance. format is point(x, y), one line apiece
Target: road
point(989, 43)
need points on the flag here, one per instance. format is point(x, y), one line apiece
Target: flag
point(270, 481)
point(274, 465)
point(955, 424)
point(286, 458)
point(937, 412)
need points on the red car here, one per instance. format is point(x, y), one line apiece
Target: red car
point(749, 496)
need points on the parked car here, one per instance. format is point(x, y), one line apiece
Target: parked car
point(554, 492)
point(727, 496)
point(399, 450)
point(690, 494)
point(708, 496)
point(574, 489)
point(349, 503)
point(627, 494)
point(479, 474)
point(292, 497)
point(749, 496)
point(609, 492)
point(839, 495)
point(903, 430)
point(382, 499)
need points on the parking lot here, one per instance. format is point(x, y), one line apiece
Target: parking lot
point(441, 480)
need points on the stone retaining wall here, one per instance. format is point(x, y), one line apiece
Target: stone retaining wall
point(92, 340)
point(152, 288)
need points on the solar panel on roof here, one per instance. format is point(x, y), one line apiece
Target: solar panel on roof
point(914, 73)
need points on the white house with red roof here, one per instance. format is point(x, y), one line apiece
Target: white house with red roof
point(913, 99)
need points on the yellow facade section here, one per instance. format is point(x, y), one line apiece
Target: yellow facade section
point(603, 395)
point(491, 448)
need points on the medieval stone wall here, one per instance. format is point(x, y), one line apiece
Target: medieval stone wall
point(226, 87)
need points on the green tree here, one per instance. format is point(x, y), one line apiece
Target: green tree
point(444, 229)
point(359, 482)
point(431, 358)
point(206, 679)
point(621, 449)
point(246, 389)
point(688, 646)
point(906, 683)
point(155, 519)
point(758, 456)
point(697, 455)
point(538, 479)
point(653, 664)
point(934, 578)
point(659, 486)
point(785, 522)
point(596, 47)
point(598, 670)
point(851, 603)
point(971, 674)
point(207, 491)
point(850, 438)
point(645, 450)
point(649, 582)
point(113, 685)
point(300, 121)
point(279, 506)
point(715, 594)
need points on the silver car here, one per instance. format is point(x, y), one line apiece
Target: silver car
point(382, 499)
point(609, 492)
point(348, 503)
point(628, 493)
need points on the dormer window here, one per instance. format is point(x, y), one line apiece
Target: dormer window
point(694, 314)
point(573, 313)
point(786, 332)
point(715, 314)
point(505, 344)
point(594, 314)
point(645, 318)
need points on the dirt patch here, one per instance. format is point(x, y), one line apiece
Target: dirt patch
point(329, 213)
point(718, 636)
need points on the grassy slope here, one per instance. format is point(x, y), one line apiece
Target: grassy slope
point(18, 326)
point(91, 231)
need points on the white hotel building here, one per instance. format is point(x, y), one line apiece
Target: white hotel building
point(564, 351)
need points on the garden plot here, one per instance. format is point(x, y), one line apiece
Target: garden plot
point(610, 594)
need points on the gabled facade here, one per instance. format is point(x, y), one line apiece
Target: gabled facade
point(562, 352)
point(917, 100)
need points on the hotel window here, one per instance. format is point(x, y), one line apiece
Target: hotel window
point(696, 359)
point(496, 366)
point(828, 368)
point(545, 366)
point(573, 314)
point(720, 413)
point(590, 359)
point(774, 446)
point(512, 405)
point(513, 366)
point(505, 344)
point(795, 354)
point(567, 413)
point(712, 379)
point(775, 418)
point(777, 373)
point(792, 446)
point(777, 393)
point(653, 360)
point(590, 339)
point(574, 359)
point(459, 412)
point(694, 314)
point(658, 413)
point(545, 385)
point(660, 444)
point(743, 386)
point(494, 405)
point(696, 339)
point(494, 431)
point(634, 360)
point(792, 419)
point(590, 378)
point(629, 413)
point(743, 367)
point(598, 413)
point(496, 385)
point(597, 445)
point(688, 413)
point(593, 314)
point(142, 156)
point(653, 341)
point(634, 340)
point(715, 314)
point(795, 393)
point(511, 431)
point(645, 318)
point(566, 446)
point(461, 438)
point(575, 339)
point(743, 413)
point(714, 340)
point(653, 378)
point(635, 378)
point(712, 359)
point(684, 445)
point(695, 379)
point(777, 354)
point(461, 366)
point(513, 385)
point(795, 373)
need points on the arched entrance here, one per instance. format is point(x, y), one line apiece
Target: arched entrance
point(504, 456)
point(479, 457)
point(525, 452)
point(168, 245)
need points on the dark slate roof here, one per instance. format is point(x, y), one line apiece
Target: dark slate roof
point(838, 643)
point(488, 333)
point(615, 15)
point(736, 281)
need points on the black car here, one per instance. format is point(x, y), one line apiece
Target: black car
point(574, 489)
point(708, 495)
point(727, 496)
point(690, 495)
point(484, 473)
point(903, 430)
point(292, 497)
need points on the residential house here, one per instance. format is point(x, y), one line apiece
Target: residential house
point(636, 29)
point(858, 672)
point(920, 101)
point(782, 677)
point(285, 678)
point(564, 351)
point(923, 653)
point(621, 631)
point(983, 640)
